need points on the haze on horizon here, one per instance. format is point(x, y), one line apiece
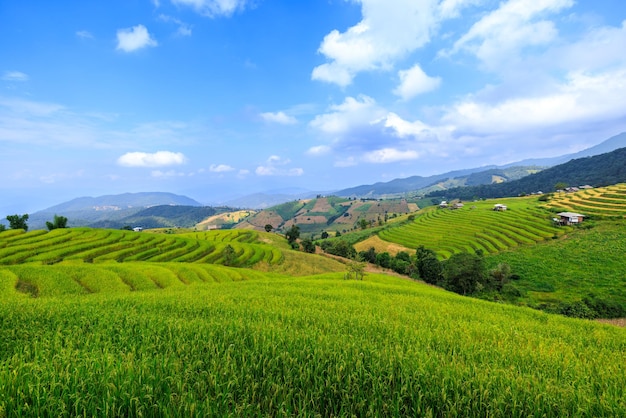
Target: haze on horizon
point(220, 98)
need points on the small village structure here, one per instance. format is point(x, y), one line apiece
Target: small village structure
point(569, 218)
point(499, 207)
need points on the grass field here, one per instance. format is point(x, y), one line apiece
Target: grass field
point(104, 245)
point(311, 346)
point(475, 227)
point(584, 263)
point(601, 202)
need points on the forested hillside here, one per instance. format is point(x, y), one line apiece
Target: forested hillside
point(599, 170)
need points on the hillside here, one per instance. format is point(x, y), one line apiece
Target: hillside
point(599, 170)
point(554, 265)
point(331, 213)
point(218, 341)
point(84, 211)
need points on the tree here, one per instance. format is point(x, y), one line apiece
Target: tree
point(428, 266)
point(308, 246)
point(268, 228)
point(324, 234)
point(2, 227)
point(463, 272)
point(58, 222)
point(355, 269)
point(229, 255)
point(18, 222)
point(293, 234)
point(363, 223)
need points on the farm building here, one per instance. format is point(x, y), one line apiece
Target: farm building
point(570, 218)
point(499, 207)
point(443, 204)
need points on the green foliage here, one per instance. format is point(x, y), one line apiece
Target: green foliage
point(229, 255)
point(268, 227)
point(355, 270)
point(463, 273)
point(18, 222)
point(292, 234)
point(316, 346)
point(308, 245)
point(338, 247)
point(428, 266)
point(58, 222)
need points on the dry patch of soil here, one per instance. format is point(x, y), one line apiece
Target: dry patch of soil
point(618, 322)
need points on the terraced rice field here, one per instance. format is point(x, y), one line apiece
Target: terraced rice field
point(603, 201)
point(477, 227)
point(101, 245)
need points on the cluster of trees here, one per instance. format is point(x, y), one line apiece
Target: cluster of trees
point(463, 273)
point(20, 222)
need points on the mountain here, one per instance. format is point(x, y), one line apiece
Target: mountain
point(84, 211)
point(164, 216)
point(459, 178)
point(598, 170)
point(611, 144)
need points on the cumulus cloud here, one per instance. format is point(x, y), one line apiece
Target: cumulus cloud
point(415, 81)
point(214, 8)
point(157, 159)
point(14, 76)
point(516, 24)
point(220, 168)
point(278, 117)
point(449, 9)
point(276, 166)
point(132, 39)
point(388, 31)
point(344, 117)
point(390, 155)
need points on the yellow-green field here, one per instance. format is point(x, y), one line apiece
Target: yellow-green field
point(476, 226)
point(601, 202)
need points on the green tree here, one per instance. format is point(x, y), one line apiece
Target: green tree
point(324, 234)
point(363, 223)
point(293, 234)
point(308, 246)
point(58, 222)
point(18, 222)
point(2, 227)
point(268, 228)
point(463, 272)
point(229, 255)
point(356, 270)
point(560, 185)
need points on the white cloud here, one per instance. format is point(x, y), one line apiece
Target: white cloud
point(275, 166)
point(220, 168)
point(390, 155)
point(415, 81)
point(581, 98)
point(500, 35)
point(279, 117)
point(84, 34)
point(214, 8)
point(184, 29)
point(167, 174)
point(14, 76)
point(157, 159)
point(388, 31)
point(449, 9)
point(352, 112)
point(319, 150)
point(132, 39)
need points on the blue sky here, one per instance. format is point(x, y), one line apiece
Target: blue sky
point(216, 99)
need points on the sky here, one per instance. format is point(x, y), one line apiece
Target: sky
point(217, 99)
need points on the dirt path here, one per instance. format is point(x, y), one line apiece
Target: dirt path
point(618, 322)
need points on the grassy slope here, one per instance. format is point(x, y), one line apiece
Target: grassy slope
point(302, 346)
point(586, 262)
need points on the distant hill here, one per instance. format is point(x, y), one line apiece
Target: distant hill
point(475, 176)
point(600, 170)
point(330, 213)
point(164, 216)
point(85, 211)
point(418, 184)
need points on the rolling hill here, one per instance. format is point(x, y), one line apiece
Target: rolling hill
point(139, 338)
point(600, 170)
